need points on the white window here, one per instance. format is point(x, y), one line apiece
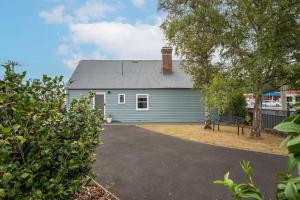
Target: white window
point(121, 99)
point(142, 102)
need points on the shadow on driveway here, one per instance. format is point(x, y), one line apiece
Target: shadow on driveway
point(135, 163)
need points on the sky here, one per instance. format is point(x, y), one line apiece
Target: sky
point(51, 36)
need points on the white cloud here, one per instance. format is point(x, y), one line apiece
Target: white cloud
point(138, 3)
point(114, 39)
point(73, 59)
point(125, 41)
point(120, 19)
point(91, 10)
point(56, 15)
point(63, 49)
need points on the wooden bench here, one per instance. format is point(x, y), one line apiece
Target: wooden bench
point(227, 119)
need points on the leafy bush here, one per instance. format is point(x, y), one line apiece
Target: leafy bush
point(288, 184)
point(45, 149)
point(226, 96)
point(248, 119)
point(237, 104)
point(243, 190)
point(217, 94)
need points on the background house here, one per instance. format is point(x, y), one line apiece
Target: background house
point(139, 90)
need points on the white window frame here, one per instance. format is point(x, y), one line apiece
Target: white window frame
point(119, 95)
point(136, 102)
point(103, 102)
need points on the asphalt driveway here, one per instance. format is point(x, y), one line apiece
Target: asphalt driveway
point(135, 163)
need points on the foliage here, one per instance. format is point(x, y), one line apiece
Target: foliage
point(237, 104)
point(226, 96)
point(248, 119)
point(217, 94)
point(45, 149)
point(243, 190)
point(288, 184)
point(296, 85)
point(184, 28)
point(256, 41)
point(194, 42)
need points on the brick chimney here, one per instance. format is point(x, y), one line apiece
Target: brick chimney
point(166, 60)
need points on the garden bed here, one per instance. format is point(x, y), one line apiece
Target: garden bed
point(95, 192)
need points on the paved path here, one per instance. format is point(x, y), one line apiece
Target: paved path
point(135, 163)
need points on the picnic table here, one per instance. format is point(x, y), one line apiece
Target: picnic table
point(227, 120)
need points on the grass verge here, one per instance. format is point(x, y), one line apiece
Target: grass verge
point(226, 137)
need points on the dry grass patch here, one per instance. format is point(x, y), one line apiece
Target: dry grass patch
point(226, 137)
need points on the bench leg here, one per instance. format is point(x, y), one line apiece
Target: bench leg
point(238, 130)
point(213, 127)
point(218, 127)
point(243, 130)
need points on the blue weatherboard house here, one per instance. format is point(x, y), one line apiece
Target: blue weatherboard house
point(139, 90)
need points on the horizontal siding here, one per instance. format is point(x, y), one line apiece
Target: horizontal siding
point(165, 105)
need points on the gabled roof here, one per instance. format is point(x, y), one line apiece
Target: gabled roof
point(127, 74)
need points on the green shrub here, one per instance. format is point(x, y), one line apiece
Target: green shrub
point(45, 149)
point(237, 104)
point(248, 119)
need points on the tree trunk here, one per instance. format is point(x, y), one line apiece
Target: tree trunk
point(208, 121)
point(257, 115)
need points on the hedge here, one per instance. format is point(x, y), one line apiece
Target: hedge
point(46, 149)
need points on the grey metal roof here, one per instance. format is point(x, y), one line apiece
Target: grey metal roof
point(127, 74)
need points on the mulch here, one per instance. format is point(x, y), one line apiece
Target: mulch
point(95, 191)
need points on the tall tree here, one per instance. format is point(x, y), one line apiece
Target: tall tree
point(186, 29)
point(257, 41)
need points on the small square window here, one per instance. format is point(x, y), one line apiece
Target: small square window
point(142, 102)
point(121, 99)
point(289, 99)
